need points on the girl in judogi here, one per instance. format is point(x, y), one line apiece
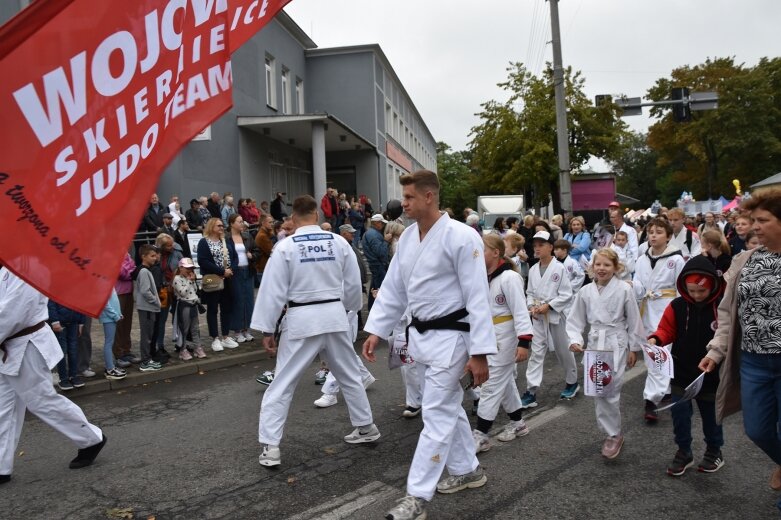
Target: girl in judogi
point(513, 330)
point(609, 307)
point(548, 295)
point(656, 272)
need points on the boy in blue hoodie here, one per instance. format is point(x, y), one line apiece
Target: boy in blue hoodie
point(689, 322)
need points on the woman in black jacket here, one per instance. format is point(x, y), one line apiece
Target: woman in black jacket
point(213, 258)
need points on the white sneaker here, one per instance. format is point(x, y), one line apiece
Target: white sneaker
point(88, 373)
point(240, 338)
point(217, 345)
point(270, 456)
point(229, 342)
point(248, 336)
point(361, 434)
point(512, 430)
point(482, 442)
point(367, 381)
point(326, 400)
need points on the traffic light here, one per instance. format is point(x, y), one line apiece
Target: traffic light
point(681, 111)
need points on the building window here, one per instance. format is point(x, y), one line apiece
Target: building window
point(271, 87)
point(395, 125)
point(300, 95)
point(388, 117)
point(286, 109)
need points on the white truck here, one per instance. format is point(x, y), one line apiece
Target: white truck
point(491, 207)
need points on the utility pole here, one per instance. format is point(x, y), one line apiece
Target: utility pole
point(565, 188)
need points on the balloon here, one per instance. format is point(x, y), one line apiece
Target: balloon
point(736, 183)
point(393, 208)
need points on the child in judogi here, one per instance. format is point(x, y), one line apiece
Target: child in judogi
point(549, 293)
point(608, 306)
point(576, 274)
point(689, 323)
point(513, 330)
point(625, 254)
point(656, 272)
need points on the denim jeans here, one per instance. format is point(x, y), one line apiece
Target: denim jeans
point(682, 424)
point(109, 331)
point(760, 390)
point(242, 298)
point(69, 342)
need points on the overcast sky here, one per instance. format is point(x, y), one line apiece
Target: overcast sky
point(451, 53)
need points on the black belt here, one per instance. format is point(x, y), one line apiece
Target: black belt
point(316, 302)
point(447, 322)
point(24, 332)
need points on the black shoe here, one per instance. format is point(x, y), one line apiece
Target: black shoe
point(87, 456)
point(711, 462)
point(5, 479)
point(651, 415)
point(161, 357)
point(681, 462)
point(475, 405)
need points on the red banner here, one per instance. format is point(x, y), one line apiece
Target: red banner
point(96, 99)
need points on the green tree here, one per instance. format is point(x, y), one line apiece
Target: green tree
point(741, 139)
point(636, 169)
point(514, 146)
point(455, 178)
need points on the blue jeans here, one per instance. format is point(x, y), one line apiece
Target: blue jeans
point(68, 367)
point(760, 390)
point(242, 298)
point(109, 331)
point(682, 424)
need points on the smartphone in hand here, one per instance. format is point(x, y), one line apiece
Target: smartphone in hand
point(467, 381)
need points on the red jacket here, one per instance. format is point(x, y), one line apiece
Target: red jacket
point(325, 205)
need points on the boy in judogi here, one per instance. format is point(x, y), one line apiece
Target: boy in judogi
point(574, 271)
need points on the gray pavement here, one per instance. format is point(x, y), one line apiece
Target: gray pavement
point(187, 448)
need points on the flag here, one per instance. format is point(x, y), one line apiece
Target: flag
point(658, 359)
point(599, 374)
point(97, 97)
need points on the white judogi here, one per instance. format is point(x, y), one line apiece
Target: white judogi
point(550, 331)
point(506, 300)
point(575, 273)
point(627, 258)
point(679, 241)
point(311, 265)
point(614, 318)
point(331, 386)
point(632, 240)
point(655, 288)
point(25, 376)
point(436, 277)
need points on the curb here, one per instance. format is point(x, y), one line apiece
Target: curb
point(134, 377)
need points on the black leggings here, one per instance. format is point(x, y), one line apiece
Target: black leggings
point(214, 300)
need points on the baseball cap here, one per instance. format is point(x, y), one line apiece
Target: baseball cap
point(186, 263)
point(347, 228)
point(542, 235)
point(614, 204)
point(378, 218)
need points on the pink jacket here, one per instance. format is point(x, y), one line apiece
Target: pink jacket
point(124, 284)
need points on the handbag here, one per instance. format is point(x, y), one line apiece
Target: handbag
point(212, 283)
point(165, 296)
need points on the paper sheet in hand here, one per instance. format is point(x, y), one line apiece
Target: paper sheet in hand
point(658, 359)
point(598, 373)
point(690, 393)
point(398, 354)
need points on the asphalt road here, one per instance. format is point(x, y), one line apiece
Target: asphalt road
point(187, 449)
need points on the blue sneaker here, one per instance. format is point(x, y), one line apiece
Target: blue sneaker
point(65, 385)
point(528, 400)
point(77, 382)
point(570, 391)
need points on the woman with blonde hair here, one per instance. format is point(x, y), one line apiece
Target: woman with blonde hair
point(579, 238)
point(394, 229)
point(716, 249)
point(213, 259)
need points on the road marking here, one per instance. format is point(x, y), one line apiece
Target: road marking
point(346, 505)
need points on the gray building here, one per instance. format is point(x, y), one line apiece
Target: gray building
point(303, 118)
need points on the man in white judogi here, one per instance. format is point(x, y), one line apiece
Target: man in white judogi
point(315, 274)
point(29, 352)
point(439, 272)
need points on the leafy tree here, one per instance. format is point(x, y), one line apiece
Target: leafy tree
point(514, 146)
point(455, 178)
point(636, 169)
point(741, 139)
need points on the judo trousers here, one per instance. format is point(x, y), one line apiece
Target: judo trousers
point(32, 390)
point(293, 359)
point(608, 409)
point(656, 384)
point(500, 389)
point(413, 384)
point(446, 439)
point(544, 334)
point(331, 385)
